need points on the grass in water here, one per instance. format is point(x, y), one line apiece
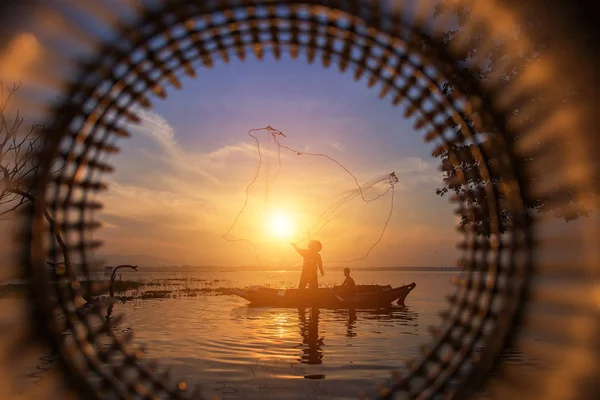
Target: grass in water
point(144, 289)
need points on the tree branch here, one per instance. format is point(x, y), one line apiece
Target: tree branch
point(5, 172)
point(114, 275)
point(53, 228)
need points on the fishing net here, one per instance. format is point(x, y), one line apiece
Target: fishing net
point(316, 200)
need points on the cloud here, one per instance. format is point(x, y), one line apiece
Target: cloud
point(415, 170)
point(140, 202)
point(156, 127)
point(21, 54)
point(413, 173)
point(164, 149)
point(338, 146)
point(169, 196)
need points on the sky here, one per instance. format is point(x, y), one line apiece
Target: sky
point(179, 181)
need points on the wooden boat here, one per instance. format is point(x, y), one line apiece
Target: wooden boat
point(365, 296)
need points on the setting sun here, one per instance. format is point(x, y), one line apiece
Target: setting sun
point(281, 226)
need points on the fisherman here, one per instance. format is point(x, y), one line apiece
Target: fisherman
point(349, 285)
point(312, 261)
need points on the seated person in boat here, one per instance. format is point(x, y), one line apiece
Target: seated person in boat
point(349, 285)
point(312, 261)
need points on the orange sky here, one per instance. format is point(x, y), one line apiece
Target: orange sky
point(180, 179)
point(184, 199)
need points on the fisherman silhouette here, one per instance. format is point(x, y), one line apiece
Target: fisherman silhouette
point(312, 261)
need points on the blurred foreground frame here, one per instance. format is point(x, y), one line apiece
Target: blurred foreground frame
point(505, 93)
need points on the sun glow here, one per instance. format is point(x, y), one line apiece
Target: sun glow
point(281, 226)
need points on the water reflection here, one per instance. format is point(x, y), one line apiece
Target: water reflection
point(312, 352)
point(351, 324)
point(222, 343)
point(109, 311)
point(396, 315)
point(313, 343)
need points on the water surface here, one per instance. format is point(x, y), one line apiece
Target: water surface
point(236, 351)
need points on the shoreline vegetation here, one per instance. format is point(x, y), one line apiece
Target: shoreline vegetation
point(142, 288)
point(210, 268)
point(155, 288)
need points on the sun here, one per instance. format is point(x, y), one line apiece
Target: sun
point(281, 226)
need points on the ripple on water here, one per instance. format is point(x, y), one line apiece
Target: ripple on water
point(235, 351)
point(219, 339)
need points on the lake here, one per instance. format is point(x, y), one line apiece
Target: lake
point(235, 351)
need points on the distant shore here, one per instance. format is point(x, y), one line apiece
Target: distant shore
point(193, 268)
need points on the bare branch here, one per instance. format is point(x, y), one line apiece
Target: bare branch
point(5, 173)
point(53, 227)
point(17, 164)
point(17, 148)
point(15, 207)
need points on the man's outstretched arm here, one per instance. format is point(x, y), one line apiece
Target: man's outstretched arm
point(299, 250)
